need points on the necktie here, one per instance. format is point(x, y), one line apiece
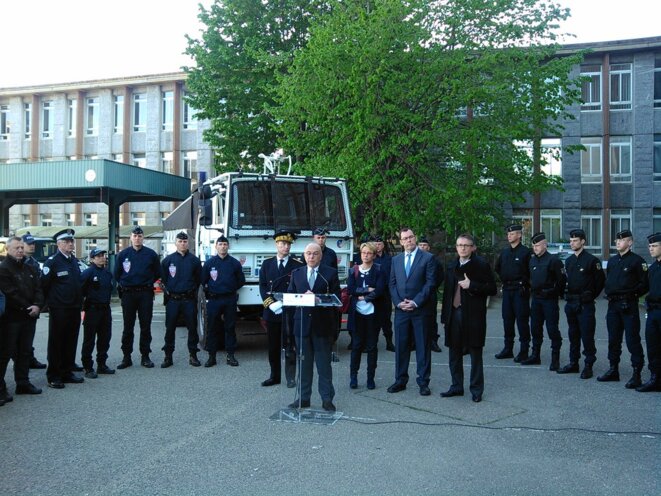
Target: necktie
point(407, 268)
point(312, 278)
point(281, 267)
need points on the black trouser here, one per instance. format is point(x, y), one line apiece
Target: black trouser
point(545, 310)
point(97, 325)
point(142, 303)
point(189, 310)
point(581, 324)
point(457, 358)
point(516, 309)
point(278, 340)
point(63, 329)
point(653, 339)
point(16, 344)
point(623, 318)
point(221, 322)
point(365, 336)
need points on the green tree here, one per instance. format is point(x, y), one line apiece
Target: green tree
point(420, 105)
point(244, 44)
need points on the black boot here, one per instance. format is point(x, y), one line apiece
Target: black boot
point(231, 360)
point(211, 361)
point(435, 347)
point(533, 359)
point(506, 352)
point(654, 384)
point(102, 368)
point(587, 371)
point(389, 345)
point(126, 362)
point(570, 368)
point(193, 359)
point(90, 373)
point(36, 364)
point(611, 375)
point(523, 355)
point(555, 361)
point(146, 362)
point(635, 380)
point(167, 361)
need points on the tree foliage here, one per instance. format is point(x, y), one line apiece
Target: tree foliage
point(420, 104)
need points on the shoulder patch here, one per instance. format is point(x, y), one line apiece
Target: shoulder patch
point(45, 270)
point(598, 266)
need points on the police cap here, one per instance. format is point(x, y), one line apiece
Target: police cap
point(540, 236)
point(284, 235)
point(28, 239)
point(97, 251)
point(137, 230)
point(654, 238)
point(514, 227)
point(320, 231)
point(182, 235)
point(222, 239)
point(624, 233)
point(577, 233)
point(423, 239)
point(64, 234)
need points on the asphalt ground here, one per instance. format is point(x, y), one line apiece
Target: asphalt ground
point(198, 431)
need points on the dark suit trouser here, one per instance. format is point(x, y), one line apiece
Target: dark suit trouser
point(581, 324)
point(277, 341)
point(623, 318)
point(142, 303)
point(96, 326)
point(316, 349)
point(16, 344)
point(653, 339)
point(63, 329)
point(412, 326)
point(516, 309)
point(188, 308)
point(457, 359)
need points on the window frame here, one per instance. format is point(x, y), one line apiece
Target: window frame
point(5, 127)
point(591, 144)
point(594, 82)
point(92, 113)
point(619, 74)
point(47, 119)
point(619, 215)
point(590, 218)
point(72, 115)
point(167, 110)
point(551, 214)
point(616, 146)
point(139, 119)
point(118, 114)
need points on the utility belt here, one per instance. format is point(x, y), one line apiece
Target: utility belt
point(545, 294)
point(96, 306)
point(513, 285)
point(217, 296)
point(188, 295)
point(136, 289)
point(627, 297)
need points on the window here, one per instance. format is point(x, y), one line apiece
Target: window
point(71, 219)
point(4, 122)
point(657, 157)
point(167, 162)
point(139, 111)
point(189, 120)
point(139, 160)
point(167, 110)
point(26, 220)
point(657, 84)
point(91, 219)
point(118, 115)
point(92, 116)
point(656, 220)
point(552, 156)
point(591, 160)
point(620, 220)
point(46, 220)
point(46, 119)
point(27, 116)
point(591, 224)
point(620, 153)
point(89, 245)
point(524, 217)
point(591, 87)
point(189, 160)
point(138, 218)
point(72, 103)
point(620, 75)
point(552, 225)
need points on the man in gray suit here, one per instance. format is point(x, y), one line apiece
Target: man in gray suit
point(411, 285)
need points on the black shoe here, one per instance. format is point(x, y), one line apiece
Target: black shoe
point(125, 363)
point(27, 389)
point(192, 360)
point(611, 375)
point(77, 368)
point(211, 361)
point(504, 353)
point(270, 382)
point(635, 380)
point(90, 374)
point(56, 384)
point(452, 392)
point(425, 391)
point(104, 369)
point(231, 360)
point(73, 379)
point(5, 396)
point(146, 362)
point(167, 362)
point(533, 359)
point(396, 388)
point(570, 368)
point(523, 355)
point(353, 382)
point(303, 404)
point(36, 364)
point(291, 383)
point(389, 345)
point(328, 406)
point(477, 398)
point(371, 384)
point(587, 372)
point(654, 384)
point(435, 347)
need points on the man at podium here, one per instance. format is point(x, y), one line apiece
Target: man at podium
point(314, 327)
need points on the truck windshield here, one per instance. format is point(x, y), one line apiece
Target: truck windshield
point(263, 205)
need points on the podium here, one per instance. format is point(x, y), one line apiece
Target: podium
point(300, 301)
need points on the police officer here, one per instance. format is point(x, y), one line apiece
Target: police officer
point(181, 280)
point(274, 276)
point(513, 268)
point(328, 255)
point(222, 277)
point(653, 326)
point(626, 281)
point(585, 281)
point(439, 276)
point(547, 283)
point(97, 286)
point(30, 246)
point(137, 268)
point(60, 279)
point(384, 304)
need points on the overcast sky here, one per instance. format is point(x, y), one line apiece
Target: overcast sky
point(48, 41)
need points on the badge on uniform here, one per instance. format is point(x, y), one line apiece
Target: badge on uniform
point(127, 265)
point(598, 266)
point(644, 265)
point(213, 273)
point(173, 270)
point(45, 270)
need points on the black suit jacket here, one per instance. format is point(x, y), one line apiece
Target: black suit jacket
point(320, 321)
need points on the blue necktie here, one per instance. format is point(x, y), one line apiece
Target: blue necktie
point(407, 268)
point(312, 277)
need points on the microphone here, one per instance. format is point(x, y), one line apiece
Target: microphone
point(325, 280)
point(279, 278)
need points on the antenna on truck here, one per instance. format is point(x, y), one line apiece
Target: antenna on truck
point(273, 162)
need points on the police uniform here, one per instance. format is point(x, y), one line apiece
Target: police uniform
point(28, 239)
point(653, 325)
point(547, 284)
point(136, 271)
point(222, 278)
point(328, 255)
point(60, 280)
point(513, 268)
point(585, 281)
point(97, 286)
point(626, 281)
point(181, 280)
point(274, 277)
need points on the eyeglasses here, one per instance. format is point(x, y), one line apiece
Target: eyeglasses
point(407, 238)
point(463, 246)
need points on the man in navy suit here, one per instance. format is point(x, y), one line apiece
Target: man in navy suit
point(412, 280)
point(314, 327)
